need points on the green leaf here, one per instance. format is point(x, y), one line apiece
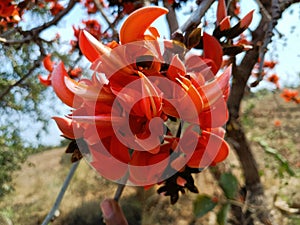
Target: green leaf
point(223, 214)
point(229, 184)
point(202, 205)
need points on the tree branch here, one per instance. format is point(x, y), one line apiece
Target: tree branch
point(36, 63)
point(34, 33)
point(110, 24)
point(171, 17)
point(276, 14)
point(196, 16)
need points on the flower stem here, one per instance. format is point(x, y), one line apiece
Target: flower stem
point(121, 186)
point(60, 196)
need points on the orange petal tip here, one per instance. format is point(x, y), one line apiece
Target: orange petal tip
point(138, 22)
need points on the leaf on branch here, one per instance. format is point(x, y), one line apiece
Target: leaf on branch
point(223, 214)
point(229, 185)
point(202, 205)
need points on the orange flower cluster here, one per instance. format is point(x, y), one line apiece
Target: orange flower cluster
point(9, 14)
point(49, 65)
point(91, 6)
point(56, 7)
point(92, 26)
point(267, 72)
point(121, 113)
point(290, 95)
point(274, 79)
point(120, 116)
point(224, 30)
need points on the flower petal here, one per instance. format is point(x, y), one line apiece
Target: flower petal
point(66, 126)
point(91, 47)
point(212, 50)
point(58, 83)
point(221, 11)
point(246, 20)
point(138, 22)
point(211, 149)
point(48, 64)
point(45, 81)
point(88, 92)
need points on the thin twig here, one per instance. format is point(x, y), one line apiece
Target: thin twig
point(116, 20)
point(60, 195)
point(263, 10)
point(36, 63)
point(33, 33)
point(110, 24)
point(195, 18)
point(276, 14)
point(121, 186)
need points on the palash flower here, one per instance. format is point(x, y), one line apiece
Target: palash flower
point(290, 95)
point(120, 112)
point(6, 8)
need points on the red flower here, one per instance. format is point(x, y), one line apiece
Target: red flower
point(290, 95)
point(91, 6)
point(56, 8)
point(6, 8)
point(49, 65)
point(93, 27)
point(121, 111)
point(274, 79)
point(277, 123)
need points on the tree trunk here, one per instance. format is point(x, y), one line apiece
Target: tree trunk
point(236, 135)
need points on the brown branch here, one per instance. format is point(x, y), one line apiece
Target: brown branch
point(34, 33)
point(195, 18)
point(276, 14)
point(171, 17)
point(110, 24)
point(36, 63)
point(114, 23)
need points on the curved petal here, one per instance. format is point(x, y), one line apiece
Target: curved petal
point(146, 168)
point(246, 20)
point(225, 24)
point(176, 68)
point(214, 90)
point(216, 116)
point(211, 149)
point(107, 165)
point(66, 127)
point(45, 81)
point(58, 83)
point(91, 47)
point(212, 50)
point(102, 120)
point(221, 11)
point(48, 64)
point(138, 22)
point(89, 92)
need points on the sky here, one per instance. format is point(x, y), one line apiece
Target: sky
point(286, 51)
